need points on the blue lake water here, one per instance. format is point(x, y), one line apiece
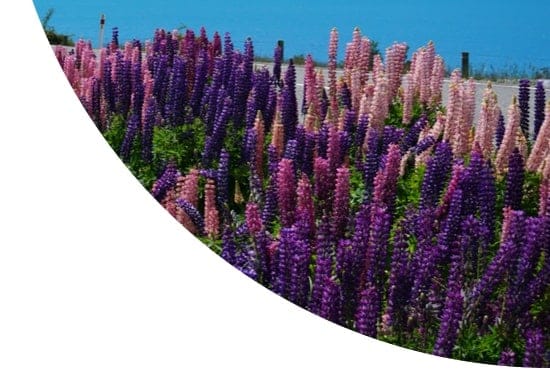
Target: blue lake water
point(498, 34)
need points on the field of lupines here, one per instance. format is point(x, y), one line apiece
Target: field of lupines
point(368, 202)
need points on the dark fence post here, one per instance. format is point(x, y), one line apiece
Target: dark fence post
point(281, 44)
point(465, 64)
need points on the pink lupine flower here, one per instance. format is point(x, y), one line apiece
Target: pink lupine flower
point(309, 82)
point(436, 82)
point(310, 119)
point(408, 98)
point(211, 214)
point(395, 62)
point(486, 128)
point(379, 105)
point(332, 53)
point(425, 72)
point(278, 134)
point(462, 140)
point(510, 137)
point(286, 191)
point(377, 68)
point(253, 218)
point(364, 59)
point(541, 147)
point(304, 204)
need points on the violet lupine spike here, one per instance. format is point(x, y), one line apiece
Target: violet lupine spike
point(529, 254)
point(372, 161)
point(323, 271)
point(227, 59)
point(199, 83)
point(138, 91)
point(332, 64)
point(507, 358)
point(399, 280)
point(329, 306)
point(282, 262)
point(132, 131)
point(291, 152)
point(289, 111)
point(214, 143)
point(309, 151)
point(452, 310)
point(505, 256)
point(176, 97)
point(377, 249)
point(148, 122)
point(286, 191)
point(166, 181)
point(486, 197)
point(534, 348)
point(411, 138)
point(499, 131)
point(193, 213)
point(333, 148)
point(222, 179)
point(514, 181)
point(425, 144)
point(261, 87)
point(523, 101)
point(437, 172)
point(540, 99)
point(299, 273)
point(368, 311)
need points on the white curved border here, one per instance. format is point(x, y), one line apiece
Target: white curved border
point(94, 274)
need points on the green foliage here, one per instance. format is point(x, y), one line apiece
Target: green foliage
point(54, 38)
point(408, 189)
point(116, 129)
point(530, 200)
point(486, 348)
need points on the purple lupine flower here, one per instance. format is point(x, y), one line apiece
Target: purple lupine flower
point(240, 93)
point(148, 122)
point(286, 191)
point(138, 90)
point(360, 133)
point(540, 100)
point(166, 181)
point(372, 162)
point(160, 79)
point(261, 87)
point(199, 83)
point(452, 310)
point(523, 102)
point(329, 305)
point(95, 104)
point(282, 262)
point(399, 281)
point(377, 249)
point(530, 251)
point(227, 59)
point(132, 131)
point(222, 179)
point(107, 85)
point(340, 211)
point(309, 150)
point(289, 110)
point(424, 144)
point(435, 177)
point(368, 311)
point(345, 96)
point(211, 94)
point(214, 143)
point(322, 141)
point(299, 273)
point(507, 358)
point(291, 152)
point(391, 135)
point(486, 198)
point(270, 108)
point(499, 132)
point(534, 348)
point(300, 139)
point(514, 181)
point(123, 88)
point(176, 94)
point(114, 45)
point(194, 215)
point(323, 265)
point(411, 138)
point(505, 256)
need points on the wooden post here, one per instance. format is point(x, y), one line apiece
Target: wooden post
point(281, 44)
point(465, 64)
